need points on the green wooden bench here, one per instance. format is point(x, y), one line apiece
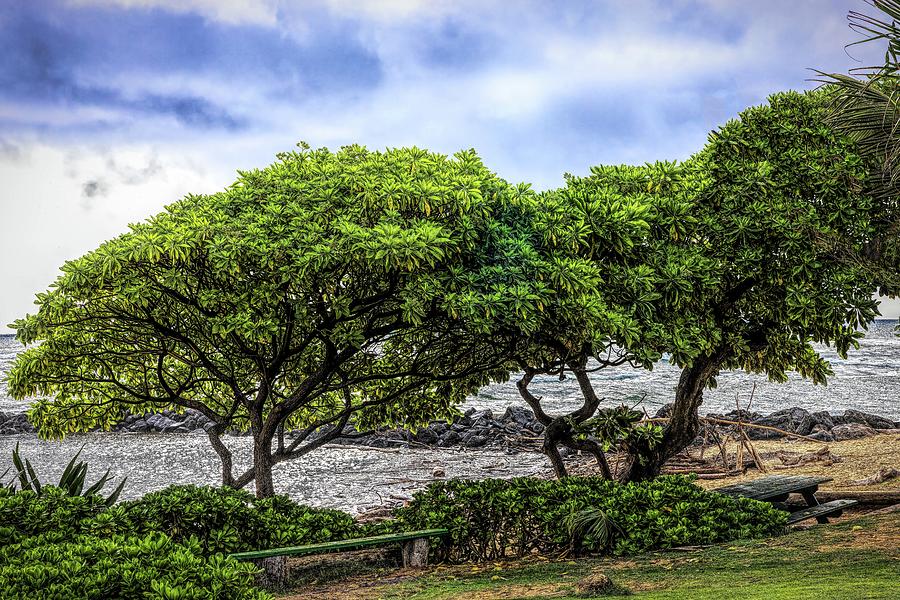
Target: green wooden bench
point(273, 562)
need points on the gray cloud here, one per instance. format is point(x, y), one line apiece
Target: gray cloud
point(130, 175)
point(94, 188)
point(11, 152)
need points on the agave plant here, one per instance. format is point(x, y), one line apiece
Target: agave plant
point(72, 479)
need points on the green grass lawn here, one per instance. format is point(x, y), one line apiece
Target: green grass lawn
point(854, 559)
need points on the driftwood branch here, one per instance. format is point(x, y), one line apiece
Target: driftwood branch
point(742, 424)
point(879, 477)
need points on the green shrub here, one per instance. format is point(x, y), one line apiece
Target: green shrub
point(224, 519)
point(286, 523)
point(27, 513)
point(152, 567)
point(167, 545)
point(493, 518)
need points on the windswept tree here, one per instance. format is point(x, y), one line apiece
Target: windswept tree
point(780, 200)
point(736, 259)
point(319, 292)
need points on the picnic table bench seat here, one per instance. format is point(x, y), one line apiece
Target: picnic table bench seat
point(821, 512)
point(777, 488)
point(274, 565)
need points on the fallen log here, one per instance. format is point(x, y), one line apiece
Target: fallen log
point(879, 477)
point(716, 475)
point(821, 456)
point(864, 497)
point(741, 424)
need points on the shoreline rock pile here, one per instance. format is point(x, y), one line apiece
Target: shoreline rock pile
point(821, 425)
point(515, 429)
point(474, 429)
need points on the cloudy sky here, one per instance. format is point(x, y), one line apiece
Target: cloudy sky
point(111, 109)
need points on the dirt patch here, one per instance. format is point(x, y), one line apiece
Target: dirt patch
point(361, 587)
point(511, 592)
point(884, 536)
point(859, 459)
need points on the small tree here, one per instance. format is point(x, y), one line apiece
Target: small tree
point(741, 258)
point(309, 295)
point(614, 249)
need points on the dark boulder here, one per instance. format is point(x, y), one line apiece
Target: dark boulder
point(873, 421)
point(822, 435)
point(161, 423)
point(438, 427)
point(16, 423)
point(741, 415)
point(852, 431)
point(789, 420)
point(427, 436)
point(764, 434)
point(486, 414)
point(449, 439)
point(473, 440)
point(519, 415)
point(814, 422)
point(664, 412)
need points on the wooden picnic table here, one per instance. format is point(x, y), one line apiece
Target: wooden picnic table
point(777, 488)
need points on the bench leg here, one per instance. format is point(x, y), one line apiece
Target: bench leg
point(811, 500)
point(273, 573)
point(415, 553)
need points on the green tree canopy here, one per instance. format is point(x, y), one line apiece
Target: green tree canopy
point(740, 258)
point(628, 231)
point(780, 203)
point(312, 294)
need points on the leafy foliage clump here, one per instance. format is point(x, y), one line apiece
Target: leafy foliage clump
point(26, 513)
point(169, 544)
point(494, 518)
point(57, 567)
point(224, 519)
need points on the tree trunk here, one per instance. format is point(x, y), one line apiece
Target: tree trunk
point(684, 422)
point(262, 462)
point(593, 448)
point(555, 432)
point(558, 430)
point(215, 439)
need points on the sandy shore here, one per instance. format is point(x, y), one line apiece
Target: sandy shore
point(859, 459)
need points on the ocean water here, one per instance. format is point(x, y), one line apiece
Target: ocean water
point(868, 380)
point(356, 479)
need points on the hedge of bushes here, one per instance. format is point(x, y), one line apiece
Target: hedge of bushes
point(168, 545)
point(55, 566)
point(172, 544)
point(493, 518)
point(224, 520)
